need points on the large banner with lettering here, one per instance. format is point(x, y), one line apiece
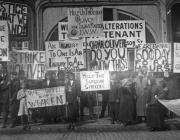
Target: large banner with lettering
point(176, 66)
point(32, 62)
point(154, 57)
point(85, 21)
point(45, 97)
point(94, 80)
point(17, 16)
point(64, 55)
point(4, 41)
point(132, 31)
point(110, 54)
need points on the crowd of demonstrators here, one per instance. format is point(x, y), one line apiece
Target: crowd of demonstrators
point(134, 100)
point(129, 100)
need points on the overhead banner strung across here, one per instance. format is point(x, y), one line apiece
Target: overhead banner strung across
point(85, 21)
point(176, 67)
point(4, 41)
point(110, 54)
point(132, 31)
point(154, 57)
point(172, 105)
point(45, 97)
point(31, 62)
point(94, 80)
point(64, 55)
point(17, 16)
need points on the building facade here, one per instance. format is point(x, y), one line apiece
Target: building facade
point(32, 22)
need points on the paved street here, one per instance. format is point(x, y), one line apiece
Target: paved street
point(118, 135)
point(93, 130)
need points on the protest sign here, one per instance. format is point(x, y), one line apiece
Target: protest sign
point(32, 62)
point(17, 16)
point(63, 31)
point(94, 80)
point(64, 55)
point(111, 52)
point(154, 57)
point(85, 21)
point(132, 31)
point(172, 105)
point(176, 67)
point(45, 97)
point(4, 41)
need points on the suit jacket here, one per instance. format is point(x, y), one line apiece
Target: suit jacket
point(71, 92)
point(5, 92)
point(44, 84)
point(14, 88)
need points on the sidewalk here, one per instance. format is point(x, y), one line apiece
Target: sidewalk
point(100, 125)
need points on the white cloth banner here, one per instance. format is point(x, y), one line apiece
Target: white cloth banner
point(46, 97)
point(94, 80)
point(172, 105)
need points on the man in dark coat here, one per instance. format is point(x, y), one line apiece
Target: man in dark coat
point(105, 98)
point(62, 109)
point(72, 92)
point(14, 103)
point(155, 111)
point(113, 99)
point(5, 96)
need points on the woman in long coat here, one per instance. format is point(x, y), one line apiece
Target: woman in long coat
point(127, 112)
point(141, 86)
point(155, 111)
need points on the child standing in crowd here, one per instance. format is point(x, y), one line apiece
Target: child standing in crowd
point(23, 110)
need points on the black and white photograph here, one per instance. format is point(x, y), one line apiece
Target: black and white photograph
point(89, 69)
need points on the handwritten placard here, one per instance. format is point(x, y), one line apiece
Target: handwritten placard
point(46, 97)
point(17, 16)
point(94, 80)
point(64, 55)
point(31, 62)
point(85, 21)
point(176, 67)
point(4, 41)
point(154, 57)
point(132, 31)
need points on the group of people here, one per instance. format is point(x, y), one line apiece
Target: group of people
point(9, 88)
point(131, 99)
point(134, 99)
